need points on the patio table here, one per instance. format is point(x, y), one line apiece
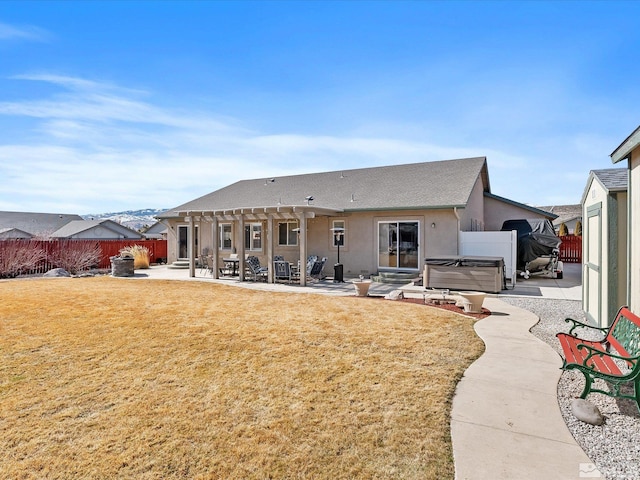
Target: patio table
point(234, 262)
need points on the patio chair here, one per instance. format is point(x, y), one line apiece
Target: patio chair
point(282, 271)
point(316, 269)
point(203, 262)
point(208, 262)
point(254, 268)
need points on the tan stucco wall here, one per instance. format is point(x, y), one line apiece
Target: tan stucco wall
point(359, 254)
point(496, 212)
point(472, 218)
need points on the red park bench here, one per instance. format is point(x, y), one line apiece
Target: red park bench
point(596, 360)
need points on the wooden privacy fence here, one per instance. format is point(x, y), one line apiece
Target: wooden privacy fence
point(571, 249)
point(108, 248)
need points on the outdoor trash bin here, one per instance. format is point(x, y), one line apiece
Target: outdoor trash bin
point(122, 266)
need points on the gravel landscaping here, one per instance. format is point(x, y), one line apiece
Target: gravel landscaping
point(614, 446)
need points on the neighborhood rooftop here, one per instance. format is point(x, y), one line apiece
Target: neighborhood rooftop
point(35, 223)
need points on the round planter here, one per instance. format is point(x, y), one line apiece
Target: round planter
point(362, 288)
point(473, 301)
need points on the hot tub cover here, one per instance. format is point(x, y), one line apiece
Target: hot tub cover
point(465, 261)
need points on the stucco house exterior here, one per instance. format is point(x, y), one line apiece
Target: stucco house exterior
point(629, 152)
point(604, 234)
point(391, 217)
point(95, 230)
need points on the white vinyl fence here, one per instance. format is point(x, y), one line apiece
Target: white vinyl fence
point(492, 244)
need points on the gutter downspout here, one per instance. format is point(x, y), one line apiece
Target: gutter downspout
point(455, 213)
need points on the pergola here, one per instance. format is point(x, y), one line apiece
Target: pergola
point(243, 215)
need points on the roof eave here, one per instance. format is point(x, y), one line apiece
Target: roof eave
point(626, 147)
point(521, 205)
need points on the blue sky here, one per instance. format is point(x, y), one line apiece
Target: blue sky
point(109, 106)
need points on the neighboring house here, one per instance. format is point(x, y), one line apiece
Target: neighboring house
point(392, 217)
point(570, 215)
point(604, 235)
point(629, 150)
point(157, 231)
point(13, 233)
point(95, 230)
point(35, 224)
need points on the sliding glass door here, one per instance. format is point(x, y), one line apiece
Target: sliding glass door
point(183, 241)
point(398, 245)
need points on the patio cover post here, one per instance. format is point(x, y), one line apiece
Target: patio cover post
point(240, 247)
point(303, 249)
point(269, 240)
point(192, 246)
point(214, 254)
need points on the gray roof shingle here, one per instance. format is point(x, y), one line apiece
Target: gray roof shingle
point(445, 183)
point(38, 224)
point(614, 179)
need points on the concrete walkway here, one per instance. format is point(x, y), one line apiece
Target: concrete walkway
point(505, 422)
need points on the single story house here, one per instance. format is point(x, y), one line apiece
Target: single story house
point(629, 151)
point(570, 215)
point(33, 224)
point(95, 230)
point(604, 234)
point(380, 219)
point(157, 231)
point(14, 233)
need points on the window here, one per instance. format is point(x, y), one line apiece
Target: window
point(226, 236)
point(337, 226)
point(287, 233)
point(253, 236)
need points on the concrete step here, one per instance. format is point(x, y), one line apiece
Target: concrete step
point(395, 277)
point(179, 264)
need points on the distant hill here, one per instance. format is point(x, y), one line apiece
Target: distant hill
point(135, 219)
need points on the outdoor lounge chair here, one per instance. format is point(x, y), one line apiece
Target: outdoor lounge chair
point(316, 269)
point(282, 271)
point(254, 268)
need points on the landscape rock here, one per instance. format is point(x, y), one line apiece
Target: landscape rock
point(586, 411)
point(394, 295)
point(57, 272)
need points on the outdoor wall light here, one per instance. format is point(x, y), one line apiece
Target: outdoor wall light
point(433, 225)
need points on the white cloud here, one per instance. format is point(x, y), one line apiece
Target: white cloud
point(98, 147)
point(25, 32)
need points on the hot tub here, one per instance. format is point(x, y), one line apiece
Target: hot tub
point(484, 274)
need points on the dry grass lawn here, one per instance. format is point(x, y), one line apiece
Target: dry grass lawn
point(127, 378)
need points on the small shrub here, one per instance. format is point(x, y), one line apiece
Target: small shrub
point(76, 255)
point(19, 256)
point(564, 231)
point(140, 255)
